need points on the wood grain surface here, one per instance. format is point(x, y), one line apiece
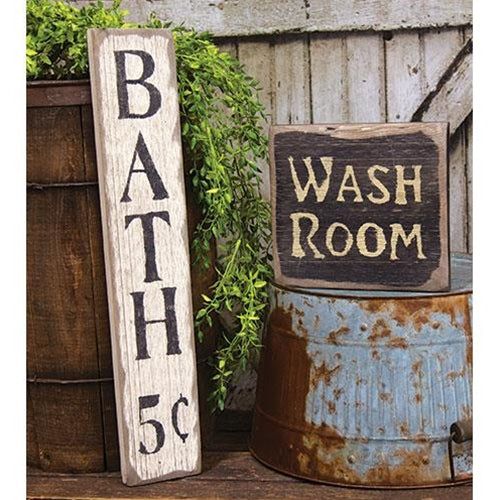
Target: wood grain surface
point(234, 475)
point(342, 216)
point(144, 214)
point(258, 17)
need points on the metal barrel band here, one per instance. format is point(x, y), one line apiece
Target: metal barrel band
point(58, 185)
point(299, 429)
point(39, 380)
point(55, 381)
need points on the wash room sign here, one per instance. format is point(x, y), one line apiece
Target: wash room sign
point(143, 206)
point(361, 206)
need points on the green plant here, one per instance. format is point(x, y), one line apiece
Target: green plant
point(221, 130)
point(56, 39)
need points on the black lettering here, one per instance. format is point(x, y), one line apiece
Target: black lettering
point(148, 235)
point(150, 402)
point(122, 82)
point(149, 169)
point(170, 322)
point(175, 424)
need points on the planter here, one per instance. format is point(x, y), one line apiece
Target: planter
point(71, 408)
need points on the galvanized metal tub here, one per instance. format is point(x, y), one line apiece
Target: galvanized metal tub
point(361, 388)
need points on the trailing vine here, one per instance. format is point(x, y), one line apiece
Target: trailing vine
point(221, 130)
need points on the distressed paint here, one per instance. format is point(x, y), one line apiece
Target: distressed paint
point(259, 17)
point(386, 374)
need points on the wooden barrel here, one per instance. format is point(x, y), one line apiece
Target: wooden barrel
point(71, 416)
point(362, 388)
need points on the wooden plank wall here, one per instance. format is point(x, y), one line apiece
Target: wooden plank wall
point(362, 77)
point(333, 61)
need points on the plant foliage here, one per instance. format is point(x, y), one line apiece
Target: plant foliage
point(221, 131)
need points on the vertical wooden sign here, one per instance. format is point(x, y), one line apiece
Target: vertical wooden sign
point(143, 205)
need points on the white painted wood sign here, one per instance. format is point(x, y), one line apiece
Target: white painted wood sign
point(143, 205)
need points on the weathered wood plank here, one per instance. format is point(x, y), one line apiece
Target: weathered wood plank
point(291, 81)
point(458, 192)
point(54, 145)
point(60, 315)
point(257, 57)
point(225, 475)
point(453, 103)
point(137, 130)
point(328, 78)
point(366, 78)
point(66, 93)
point(439, 49)
point(415, 64)
point(100, 307)
point(241, 18)
point(229, 47)
point(470, 200)
point(32, 448)
point(405, 76)
point(68, 425)
point(451, 100)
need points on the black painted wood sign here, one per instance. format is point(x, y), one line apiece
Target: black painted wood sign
point(361, 206)
point(144, 216)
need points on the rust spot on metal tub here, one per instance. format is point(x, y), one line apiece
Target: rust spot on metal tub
point(398, 342)
point(319, 456)
point(322, 373)
point(417, 311)
point(379, 330)
point(281, 318)
point(332, 336)
point(332, 407)
point(468, 353)
point(301, 328)
point(414, 311)
point(404, 429)
point(386, 397)
point(454, 374)
point(417, 366)
point(308, 303)
point(336, 468)
point(465, 412)
point(337, 393)
point(286, 368)
point(468, 333)
point(299, 312)
point(412, 469)
point(317, 320)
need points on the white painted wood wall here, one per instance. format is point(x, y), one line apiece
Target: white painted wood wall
point(367, 77)
point(359, 61)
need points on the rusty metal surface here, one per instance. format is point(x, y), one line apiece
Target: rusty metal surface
point(363, 390)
